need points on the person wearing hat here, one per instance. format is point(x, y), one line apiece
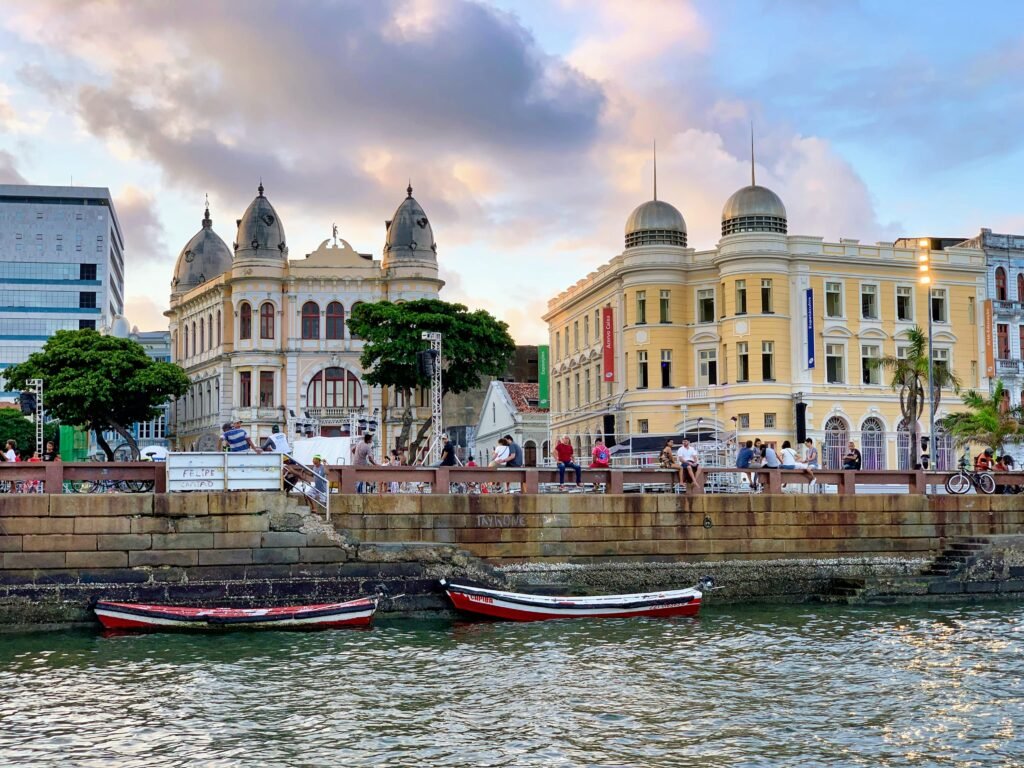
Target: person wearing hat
point(319, 475)
point(236, 439)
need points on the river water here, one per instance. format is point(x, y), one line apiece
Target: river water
point(791, 686)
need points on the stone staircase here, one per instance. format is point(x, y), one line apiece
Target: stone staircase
point(961, 553)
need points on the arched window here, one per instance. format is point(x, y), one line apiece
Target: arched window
point(335, 320)
point(209, 398)
point(209, 330)
point(837, 434)
point(195, 349)
point(1000, 284)
point(267, 320)
point(1020, 286)
point(245, 321)
point(334, 388)
point(202, 337)
point(184, 337)
point(199, 408)
point(218, 328)
point(350, 333)
point(310, 320)
point(872, 444)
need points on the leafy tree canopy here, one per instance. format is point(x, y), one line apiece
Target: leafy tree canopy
point(99, 382)
point(988, 421)
point(21, 429)
point(473, 344)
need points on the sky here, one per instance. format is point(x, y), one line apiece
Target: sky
point(525, 126)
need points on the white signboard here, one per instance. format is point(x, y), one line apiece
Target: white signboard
point(223, 472)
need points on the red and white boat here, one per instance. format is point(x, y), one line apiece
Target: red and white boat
point(520, 607)
point(354, 613)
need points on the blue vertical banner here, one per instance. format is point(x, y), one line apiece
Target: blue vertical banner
point(810, 327)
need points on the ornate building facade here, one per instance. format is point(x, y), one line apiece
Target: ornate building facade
point(768, 334)
point(265, 338)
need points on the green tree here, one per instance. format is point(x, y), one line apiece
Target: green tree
point(99, 383)
point(988, 421)
point(473, 344)
point(22, 430)
point(910, 377)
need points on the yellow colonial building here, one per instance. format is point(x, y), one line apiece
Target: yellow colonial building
point(768, 335)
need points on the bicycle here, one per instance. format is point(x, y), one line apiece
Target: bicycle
point(963, 480)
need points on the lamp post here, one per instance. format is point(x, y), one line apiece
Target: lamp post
point(736, 436)
point(700, 421)
point(924, 270)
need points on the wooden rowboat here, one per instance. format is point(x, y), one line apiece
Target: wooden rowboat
point(520, 607)
point(354, 613)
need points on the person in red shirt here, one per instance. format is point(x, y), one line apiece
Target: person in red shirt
point(983, 463)
point(600, 456)
point(564, 454)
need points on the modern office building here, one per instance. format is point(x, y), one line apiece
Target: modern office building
point(61, 264)
point(768, 334)
point(264, 338)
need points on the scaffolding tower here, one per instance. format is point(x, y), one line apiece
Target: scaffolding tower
point(436, 426)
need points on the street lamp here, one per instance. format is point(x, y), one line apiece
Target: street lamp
point(736, 433)
point(925, 277)
point(700, 420)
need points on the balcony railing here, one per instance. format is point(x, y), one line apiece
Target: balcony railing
point(1006, 306)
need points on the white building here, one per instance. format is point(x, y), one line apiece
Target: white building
point(513, 408)
point(61, 264)
point(265, 338)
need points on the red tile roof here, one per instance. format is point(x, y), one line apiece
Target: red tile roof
point(522, 395)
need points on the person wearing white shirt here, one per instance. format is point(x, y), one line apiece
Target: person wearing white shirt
point(689, 460)
point(789, 461)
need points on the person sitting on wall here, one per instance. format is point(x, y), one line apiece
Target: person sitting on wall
point(600, 458)
point(745, 454)
point(564, 455)
point(852, 459)
point(689, 460)
point(667, 459)
point(983, 462)
point(788, 461)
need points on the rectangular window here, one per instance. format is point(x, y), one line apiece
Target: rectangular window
point(576, 391)
point(245, 389)
point(974, 371)
point(904, 302)
point(567, 341)
point(576, 336)
point(835, 358)
point(586, 385)
point(768, 361)
point(558, 345)
point(598, 328)
point(939, 314)
point(767, 305)
point(665, 307)
point(83, 324)
point(644, 426)
point(267, 320)
point(641, 307)
point(558, 397)
point(742, 361)
point(871, 373)
point(901, 351)
point(708, 373)
point(743, 420)
point(706, 305)
point(940, 365)
point(641, 369)
point(266, 389)
point(666, 368)
point(869, 302)
point(833, 299)
point(586, 330)
point(1003, 341)
point(87, 300)
point(972, 315)
point(741, 297)
point(769, 421)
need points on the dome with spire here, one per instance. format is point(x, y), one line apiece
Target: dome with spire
point(260, 231)
point(753, 209)
point(203, 258)
point(655, 223)
point(409, 234)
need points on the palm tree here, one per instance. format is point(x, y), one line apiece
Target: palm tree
point(989, 421)
point(910, 377)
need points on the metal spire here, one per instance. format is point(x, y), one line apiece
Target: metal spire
point(408, 190)
point(655, 169)
point(206, 213)
point(260, 187)
point(752, 182)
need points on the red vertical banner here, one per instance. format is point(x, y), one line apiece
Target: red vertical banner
point(608, 343)
point(990, 362)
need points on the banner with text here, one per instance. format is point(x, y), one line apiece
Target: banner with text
point(810, 328)
point(608, 343)
point(543, 376)
point(990, 358)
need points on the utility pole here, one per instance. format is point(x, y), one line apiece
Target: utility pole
point(437, 428)
point(38, 384)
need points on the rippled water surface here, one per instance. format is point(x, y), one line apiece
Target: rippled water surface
point(792, 686)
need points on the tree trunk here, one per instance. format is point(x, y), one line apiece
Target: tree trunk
point(403, 436)
point(103, 444)
point(130, 438)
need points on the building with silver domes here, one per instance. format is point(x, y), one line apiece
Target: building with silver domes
point(265, 338)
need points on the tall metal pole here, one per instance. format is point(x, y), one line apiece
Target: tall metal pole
point(435, 397)
point(924, 267)
point(38, 384)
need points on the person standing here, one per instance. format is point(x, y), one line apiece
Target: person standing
point(363, 457)
point(515, 458)
point(277, 442)
point(51, 453)
point(564, 455)
point(11, 451)
point(447, 453)
point(319, 477)
point(236, 439)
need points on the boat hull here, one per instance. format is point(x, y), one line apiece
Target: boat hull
point(513, 606)
point(136, 616)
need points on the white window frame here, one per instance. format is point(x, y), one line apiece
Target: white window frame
point(896, 306)
point(706, 356)
point(742, 350)
point(875, 371)
point(768, 349)
point(878, 306)
point(842, 300)
point(945, 303)
point(741, 287)
point(842, 358)
point(697, 305)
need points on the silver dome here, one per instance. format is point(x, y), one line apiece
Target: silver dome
point(410, 235)
point(203, 258)
point(655, 222)
point(260, 231)
point(753, 209)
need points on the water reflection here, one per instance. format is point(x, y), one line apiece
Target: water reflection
point(752, 686)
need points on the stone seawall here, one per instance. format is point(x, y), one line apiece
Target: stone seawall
point(584, 528)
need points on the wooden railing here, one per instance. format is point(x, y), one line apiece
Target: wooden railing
point(141, 476)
